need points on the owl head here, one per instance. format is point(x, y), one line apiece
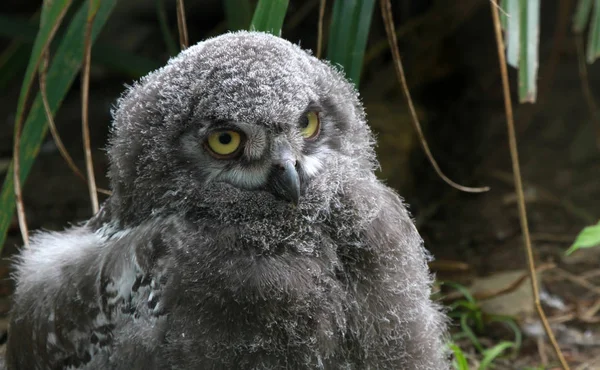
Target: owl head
point(244, 120)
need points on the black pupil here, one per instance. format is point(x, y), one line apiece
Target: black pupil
point(225, 138)
point(304, 122)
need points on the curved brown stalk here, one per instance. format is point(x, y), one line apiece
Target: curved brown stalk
point(17, 140)
point(320, 28)
point(43, 73)
point(181, 24)
point(514, 154)
point(85, 91)
point(386, 12)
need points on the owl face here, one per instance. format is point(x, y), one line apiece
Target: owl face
point(280, 159)
point(241, 117)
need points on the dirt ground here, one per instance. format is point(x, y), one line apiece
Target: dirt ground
point(475, 238)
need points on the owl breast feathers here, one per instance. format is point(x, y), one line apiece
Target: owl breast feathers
point(246, 230)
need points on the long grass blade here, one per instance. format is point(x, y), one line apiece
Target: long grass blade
point(52, 16)
point(459, 358)
point(85, 92)
point(269, 16)
point(513, 27)
point(362, 25)
point(529, 18)
point(582, 15)
point(65, 66)
point(349, 31)
point(238, 14)
point(593, 47)
point(489, 355)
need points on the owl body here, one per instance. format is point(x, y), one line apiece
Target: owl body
point(246, 230)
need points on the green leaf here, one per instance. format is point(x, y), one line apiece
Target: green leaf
point(589, 237)
point(504, 14)
point(522, 44)
point(582, 15)
point(349, 31)
point(464, 326)
point(593, 47)
point(65, 66)
point(238, 14)
point(269, 16)
point(489, 355)
point(513, 27)
point(462, 289)
point(529, 18)
point(460, 361)
point(510, 322)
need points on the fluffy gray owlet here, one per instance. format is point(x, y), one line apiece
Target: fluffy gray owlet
point(246, 230)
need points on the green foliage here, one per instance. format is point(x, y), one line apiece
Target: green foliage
point(522, 26)
point(472, 321)
point(589, 237)
point(350, 24)
point(269, 16)
point(460, 361)
point(587, 9)
point(582, 15)
point(65, 66)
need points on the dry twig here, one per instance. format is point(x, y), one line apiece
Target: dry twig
point(320, 28)
point(386, 12)
point(17, 139)
point(518, 183)
point(57, 140)
point(85, 91)
point(181, 24)
point(43, 73)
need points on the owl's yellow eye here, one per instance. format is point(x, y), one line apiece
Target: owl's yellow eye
point(310, 125)
point(224, 143)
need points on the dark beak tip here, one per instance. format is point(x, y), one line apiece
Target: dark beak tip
point(285, 182)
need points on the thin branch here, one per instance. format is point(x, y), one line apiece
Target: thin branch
point(18, 191)
point(386, 12)
point(85, 90)
point(320, 28)
point(585, 86)
point(518, 184)
point(43, 73)
point(181, 24)
point(17, 139)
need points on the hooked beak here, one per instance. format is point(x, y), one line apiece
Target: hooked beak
point(284, 181)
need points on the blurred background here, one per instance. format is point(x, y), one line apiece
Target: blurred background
point(450, 58)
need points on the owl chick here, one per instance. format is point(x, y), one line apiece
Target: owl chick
point(246, 230)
